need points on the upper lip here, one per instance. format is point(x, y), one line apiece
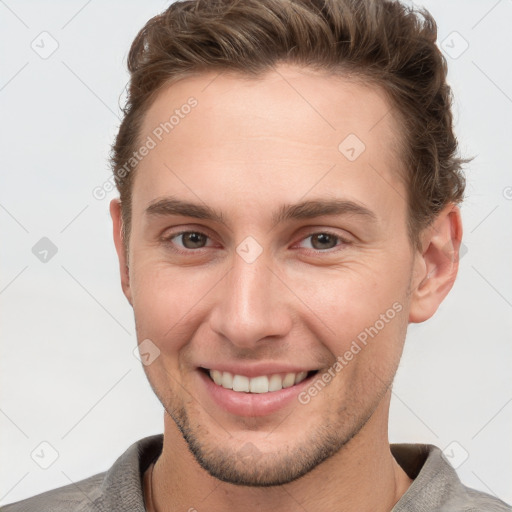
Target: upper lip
point(257, 369)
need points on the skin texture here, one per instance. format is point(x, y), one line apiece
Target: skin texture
point(248, 147)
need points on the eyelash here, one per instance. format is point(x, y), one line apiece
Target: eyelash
point(336, 248)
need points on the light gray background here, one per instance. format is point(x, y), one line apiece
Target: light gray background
point(68, 373)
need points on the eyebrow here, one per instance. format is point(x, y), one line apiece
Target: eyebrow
point(303, 210)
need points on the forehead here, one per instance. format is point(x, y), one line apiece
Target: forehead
point(272, 103)
point(287, 133)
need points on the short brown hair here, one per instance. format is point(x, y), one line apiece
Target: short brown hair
point(384, 42)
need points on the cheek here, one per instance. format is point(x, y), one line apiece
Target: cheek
point(366, 356)
point(361, 315)
point(168, 302)
point(369, 336)
point(354, 298)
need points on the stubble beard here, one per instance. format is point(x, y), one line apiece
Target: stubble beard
point(248, 466)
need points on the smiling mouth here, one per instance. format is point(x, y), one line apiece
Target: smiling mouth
point(259, 384)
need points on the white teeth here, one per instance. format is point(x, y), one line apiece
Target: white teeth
point(289, 380)
point(240, 383)
point(275, 383)
point(260, 384)
point(300, 377)
point(217, 377)
point(227, 380)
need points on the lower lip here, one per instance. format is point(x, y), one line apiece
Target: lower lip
point(253, 404)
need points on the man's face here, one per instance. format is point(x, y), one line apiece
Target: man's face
point(261, 296)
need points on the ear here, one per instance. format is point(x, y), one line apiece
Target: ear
point(436, 265)
point(122, 251)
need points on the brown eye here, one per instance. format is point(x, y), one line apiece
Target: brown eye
point(324, 242)
point(321, 241)
point(190, 239)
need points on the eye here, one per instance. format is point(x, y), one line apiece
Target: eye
point(323, 241)
point(189, 240)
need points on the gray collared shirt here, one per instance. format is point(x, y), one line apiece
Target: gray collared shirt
point(436, 486)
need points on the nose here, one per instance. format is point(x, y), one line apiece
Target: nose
point(251, 304)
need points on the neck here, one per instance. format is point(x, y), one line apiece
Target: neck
point(362, 476)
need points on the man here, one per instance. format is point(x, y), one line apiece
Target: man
point(288, 186)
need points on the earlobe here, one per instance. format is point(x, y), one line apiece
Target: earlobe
point(117, 228)
point(436, 268)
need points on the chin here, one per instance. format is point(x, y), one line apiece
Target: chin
point(244, 463)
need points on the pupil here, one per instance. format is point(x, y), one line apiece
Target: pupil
point(324, 238)
point(194, 238)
